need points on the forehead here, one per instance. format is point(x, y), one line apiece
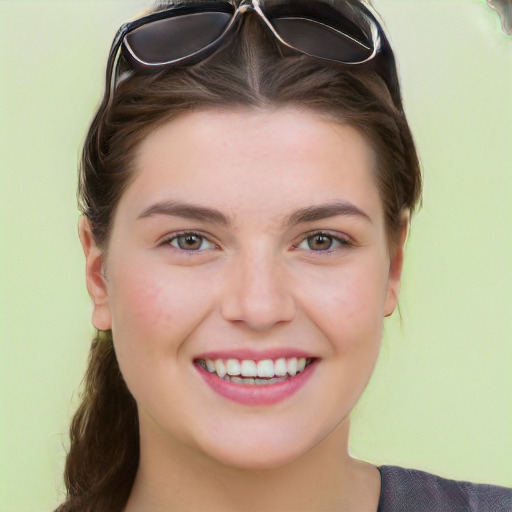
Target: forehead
point(253, 162)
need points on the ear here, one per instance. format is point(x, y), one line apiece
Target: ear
point(96, 283)
point(396, 264)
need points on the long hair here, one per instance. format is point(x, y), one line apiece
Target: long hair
point(250, 72)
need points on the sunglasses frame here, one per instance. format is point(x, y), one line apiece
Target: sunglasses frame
point(381, 47)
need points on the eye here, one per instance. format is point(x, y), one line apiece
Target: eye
point(192, 242)
point(322, 242)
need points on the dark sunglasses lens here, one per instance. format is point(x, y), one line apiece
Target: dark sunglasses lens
point(175, 38)
point(339, 30)
point(322, 41)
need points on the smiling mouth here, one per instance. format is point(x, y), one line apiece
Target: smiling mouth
point(259, 373)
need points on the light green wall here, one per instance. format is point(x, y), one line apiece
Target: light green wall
point(441, 398)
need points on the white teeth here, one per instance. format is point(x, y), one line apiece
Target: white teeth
point(254, 382)
point(268, 381)
point(248, 369)
point(280, 367)
point(239, 380)
point(245, 371)
point(220, 369)
point(232, 367)
point(265, 368)
point(292, 366)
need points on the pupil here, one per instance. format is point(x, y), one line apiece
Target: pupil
point(189, 242)
point(320, 242)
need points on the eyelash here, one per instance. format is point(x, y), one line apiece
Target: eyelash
point(342, 242)
point(184, 234)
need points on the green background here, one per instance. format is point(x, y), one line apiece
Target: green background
point(441, 398)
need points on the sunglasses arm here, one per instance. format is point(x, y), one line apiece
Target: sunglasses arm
point(112, 64)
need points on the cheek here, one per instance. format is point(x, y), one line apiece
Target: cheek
point(348, 305)
point(154, 308)
point(157, 304)
point(141, 299)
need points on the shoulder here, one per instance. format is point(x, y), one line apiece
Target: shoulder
point(409, 489)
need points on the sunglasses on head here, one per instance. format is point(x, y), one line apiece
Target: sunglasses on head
point(342, 31)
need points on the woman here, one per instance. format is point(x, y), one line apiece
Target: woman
point(246, 185)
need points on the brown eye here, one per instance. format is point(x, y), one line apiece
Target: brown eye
point(320, 242)
point(323, 242)
point(191, 242)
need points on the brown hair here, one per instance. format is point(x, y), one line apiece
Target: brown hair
point(249, 72)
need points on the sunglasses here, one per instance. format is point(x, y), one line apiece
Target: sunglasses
point(342, 31)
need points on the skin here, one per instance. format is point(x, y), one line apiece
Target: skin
point(257, 283)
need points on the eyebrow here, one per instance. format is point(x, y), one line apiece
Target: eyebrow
point(301, 216)
point(325, 211)
point(187, 211)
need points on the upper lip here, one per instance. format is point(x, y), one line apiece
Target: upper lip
point(255, 355)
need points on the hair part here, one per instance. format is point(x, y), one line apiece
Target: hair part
point(250, 72)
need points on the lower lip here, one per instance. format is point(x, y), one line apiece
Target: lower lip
point(254, 394)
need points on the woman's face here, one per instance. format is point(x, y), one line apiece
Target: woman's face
point(257, 238)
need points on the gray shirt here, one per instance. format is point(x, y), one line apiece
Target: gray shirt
point(410, 490)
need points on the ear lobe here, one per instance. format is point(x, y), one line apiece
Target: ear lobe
point(96, 283)
point(395, 269)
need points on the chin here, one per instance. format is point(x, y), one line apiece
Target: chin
point(255, 459)
point(258, 453)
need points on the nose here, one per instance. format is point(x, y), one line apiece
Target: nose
point(257, 293)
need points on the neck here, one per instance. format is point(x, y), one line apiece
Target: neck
point(325, 478)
